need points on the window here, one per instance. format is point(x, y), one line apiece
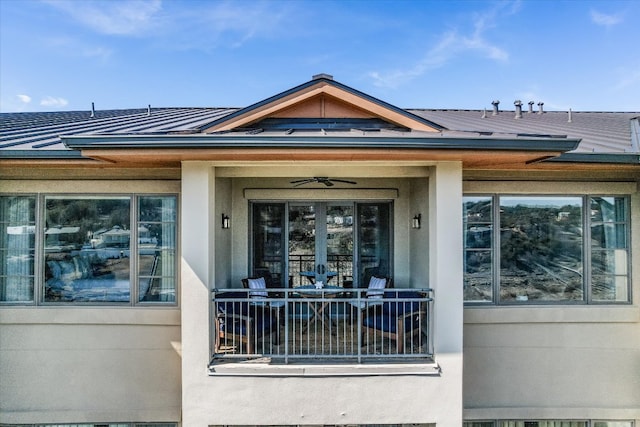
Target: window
point(93, 249)
point(546, 249)
point(312, 241)
point(17, 248)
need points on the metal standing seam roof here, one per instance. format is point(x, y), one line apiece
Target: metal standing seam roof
point(600, 132)
point(42, 131)
point(36, 134)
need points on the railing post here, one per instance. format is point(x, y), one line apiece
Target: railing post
point(360, 310)
point(286, 326)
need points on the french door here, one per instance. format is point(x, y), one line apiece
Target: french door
point(339, 243)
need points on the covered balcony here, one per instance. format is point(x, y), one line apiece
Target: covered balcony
point(333, 324)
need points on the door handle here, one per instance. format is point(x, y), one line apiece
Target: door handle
point(320, 269)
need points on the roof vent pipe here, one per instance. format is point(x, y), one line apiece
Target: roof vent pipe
point(484, 113)
point(322, 76)
point(569, 120)
point(531, 106)
point(540, 109)
point(149, 110)
point(93, 111)
point(518, 105)
point(495, 107)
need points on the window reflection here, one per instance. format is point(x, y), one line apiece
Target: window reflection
point(478, 257)
point(156, 248)
point(87, 241)
point(17, 248)
point(540, 248)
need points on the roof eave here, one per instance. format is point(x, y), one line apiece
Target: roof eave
point(560, 145)
point(598, 158)
point(41, 155)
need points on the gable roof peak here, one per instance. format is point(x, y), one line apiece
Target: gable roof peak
point(321, 97)
point(324, 76)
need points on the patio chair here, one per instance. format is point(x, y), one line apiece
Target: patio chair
point(397, 318)
point(244, 321)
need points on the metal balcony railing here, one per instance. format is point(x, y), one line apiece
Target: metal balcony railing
point(332, 324)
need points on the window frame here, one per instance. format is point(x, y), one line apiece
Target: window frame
point(586, 223)
point(134, 276)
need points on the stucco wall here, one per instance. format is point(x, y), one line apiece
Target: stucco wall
point(89, 363)
point(288, 397)
point(555, 362)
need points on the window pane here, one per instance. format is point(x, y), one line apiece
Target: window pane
point(612, 424)
point(268, 231)
point(339, 220)
point(374, 241)
point(157, 248)
point(477, 276)
point(87, 249)
point(17, 243)
point(478, 244)
point(609, 249)
point(541, 249)
point(302, 243)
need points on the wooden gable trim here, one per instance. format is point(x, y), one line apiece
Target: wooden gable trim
point(323, 106)
point(317, 92)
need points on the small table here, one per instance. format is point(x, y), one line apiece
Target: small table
point(311, 276)
point(318, 307)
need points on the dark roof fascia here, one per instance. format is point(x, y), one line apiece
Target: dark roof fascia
point(41, 155)
point(602, 158)
point(330, 82)
point(267, 141)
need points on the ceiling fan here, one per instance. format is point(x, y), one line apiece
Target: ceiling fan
point(329, 182)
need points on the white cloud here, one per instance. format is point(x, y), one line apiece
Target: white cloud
point(51, 101)
point(67, 46)
point(452, 45)
point(604, 19)
point(24, 98)
point(229, 24)
point(112, 17)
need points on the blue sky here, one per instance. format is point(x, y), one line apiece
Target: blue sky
point(64, 54)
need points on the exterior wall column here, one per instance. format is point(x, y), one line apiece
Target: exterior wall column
point(446, 274)
point(197, 243)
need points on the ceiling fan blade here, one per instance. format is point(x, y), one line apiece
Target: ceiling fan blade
point(320, 180)
point(344, 180)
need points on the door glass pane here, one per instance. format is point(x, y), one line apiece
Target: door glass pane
point(374, 241)
point(302, 244)
point(268, 243)
point(340, 245)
